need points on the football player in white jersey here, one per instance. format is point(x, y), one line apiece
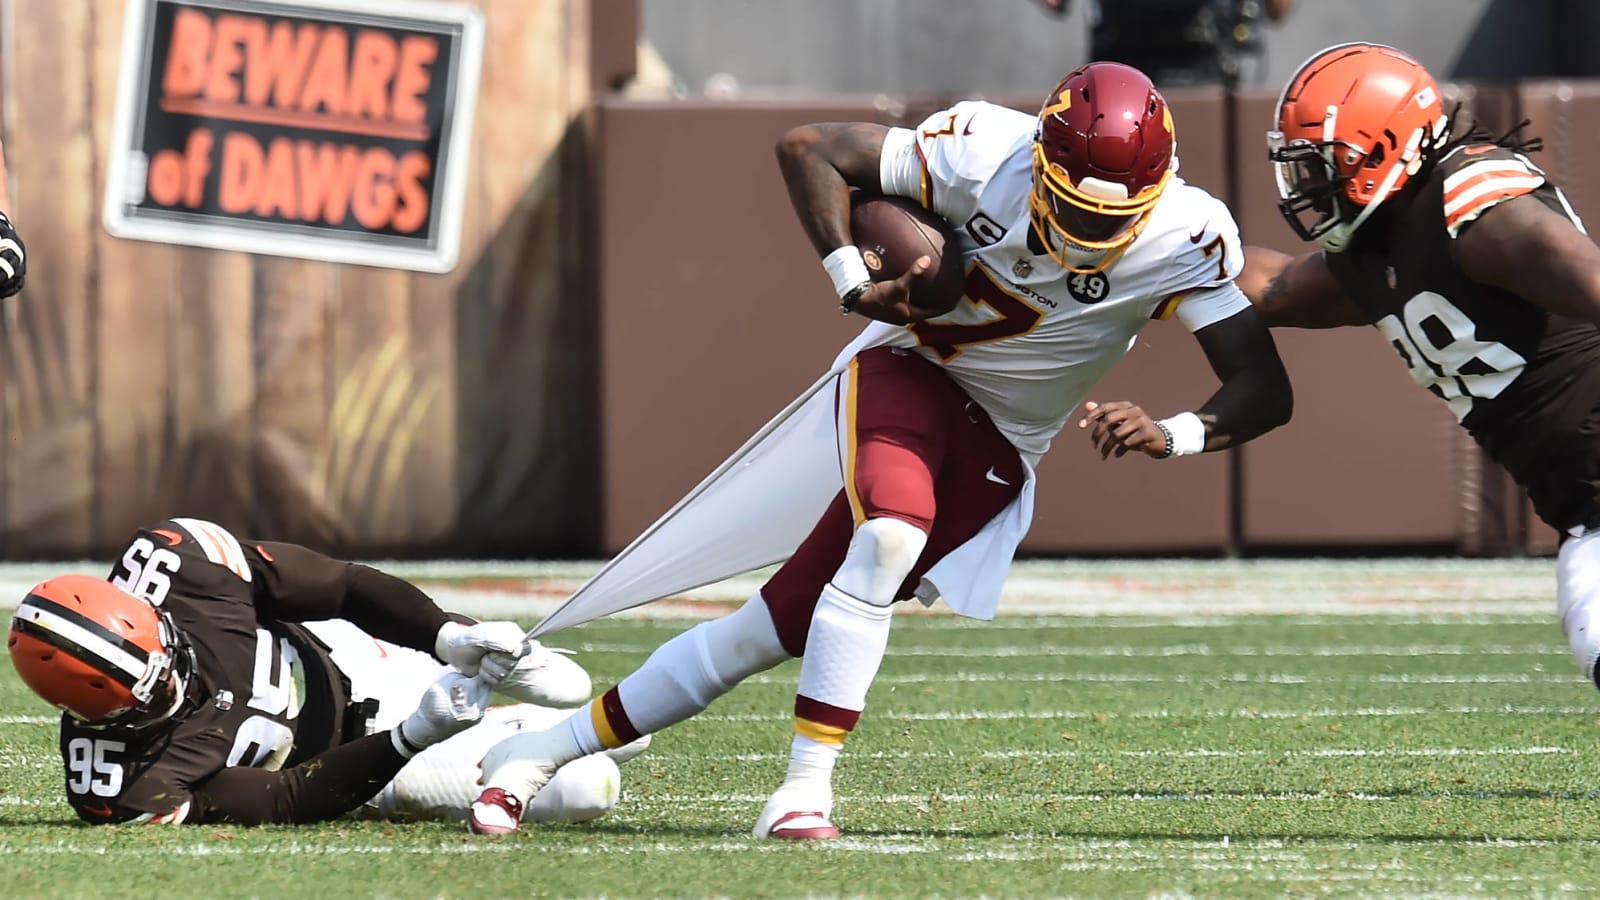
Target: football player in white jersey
point(1077, 232)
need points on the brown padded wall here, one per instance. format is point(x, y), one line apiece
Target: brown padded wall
point(715, 313)
point(1136, 504)
point(1369, 459)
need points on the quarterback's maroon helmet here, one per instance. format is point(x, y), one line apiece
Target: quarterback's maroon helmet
point(1102, 155)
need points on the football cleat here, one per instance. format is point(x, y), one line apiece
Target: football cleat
point(547, 677)
point(517, 767)
point(797, 813)
point(495, 812)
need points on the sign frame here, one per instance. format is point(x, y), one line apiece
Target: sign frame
point(440, 253)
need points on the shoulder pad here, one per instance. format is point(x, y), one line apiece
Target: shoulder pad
point(962, 147)
point(1199, 237)
point(208, 538)
point(1479, 177)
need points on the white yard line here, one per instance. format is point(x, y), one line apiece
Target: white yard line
point(1176, 678)
point(1169, 650)
point(980, 715)
point(1082, 588)
point(1355, 753)
point(735, 801)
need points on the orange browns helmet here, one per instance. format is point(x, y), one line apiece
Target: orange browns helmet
point(1354, 124)
point(1102, 154)
point(98, 652)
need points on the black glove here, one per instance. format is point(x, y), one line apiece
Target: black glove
point(13, 258)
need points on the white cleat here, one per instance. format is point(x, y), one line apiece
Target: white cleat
point(548, 677)
point(513, 771)
point(798, 813)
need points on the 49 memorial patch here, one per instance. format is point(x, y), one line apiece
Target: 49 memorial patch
point(335, 130)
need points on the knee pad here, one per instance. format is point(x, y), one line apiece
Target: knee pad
point(883, 551)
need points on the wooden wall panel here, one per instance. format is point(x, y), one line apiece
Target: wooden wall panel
point(289, 429)
point(133, 361)
point(377, 392)
point(520, 370)
point(212, 384)
point(50, 334)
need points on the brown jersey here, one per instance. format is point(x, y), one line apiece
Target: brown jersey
point(1523, 381)
point(263, 693)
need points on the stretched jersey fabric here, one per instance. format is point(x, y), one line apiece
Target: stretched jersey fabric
point(1524, 382)
point(265, 693)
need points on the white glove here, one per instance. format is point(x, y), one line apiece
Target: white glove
point(452, 704)
point(463, 646)
point(538, 674)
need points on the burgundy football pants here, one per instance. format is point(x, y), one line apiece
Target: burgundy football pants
point(914, 448)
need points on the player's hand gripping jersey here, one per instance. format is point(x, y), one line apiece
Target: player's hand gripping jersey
point(1520, 379)
point(1032, 337)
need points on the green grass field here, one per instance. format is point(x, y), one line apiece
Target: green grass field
point(1295, 753)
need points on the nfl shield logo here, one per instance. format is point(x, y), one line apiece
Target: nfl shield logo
point(1022, 269)
point(1388, 275)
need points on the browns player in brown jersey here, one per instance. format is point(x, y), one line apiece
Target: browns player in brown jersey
point(209, 679)
point(1468, 261)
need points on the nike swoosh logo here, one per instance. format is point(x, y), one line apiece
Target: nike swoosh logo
point(1197, 238)
point(993, 477)
point(967, 130)
point(1474, 151)
point(172, 538)
point(101, 810)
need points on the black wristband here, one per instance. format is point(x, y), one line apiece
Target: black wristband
point(402, 744)
point(848, 301)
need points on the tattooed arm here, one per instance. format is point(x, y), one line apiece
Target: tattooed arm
point(820, 164)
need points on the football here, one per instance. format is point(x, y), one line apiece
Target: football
point(893, 231)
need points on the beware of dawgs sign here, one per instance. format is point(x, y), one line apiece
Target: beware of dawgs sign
point(334, 130)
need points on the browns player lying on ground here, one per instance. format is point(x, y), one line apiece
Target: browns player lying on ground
point(209, 679)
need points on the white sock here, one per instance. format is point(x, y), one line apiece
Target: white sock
point(581, 731)
point(844, 648)
point(685, 674)
point(811, 760)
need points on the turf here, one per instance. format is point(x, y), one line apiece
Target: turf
point(1224, 756)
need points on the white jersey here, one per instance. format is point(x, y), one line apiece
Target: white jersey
point(1030, 338)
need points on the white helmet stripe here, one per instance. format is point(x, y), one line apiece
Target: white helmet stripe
point(47, 620)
